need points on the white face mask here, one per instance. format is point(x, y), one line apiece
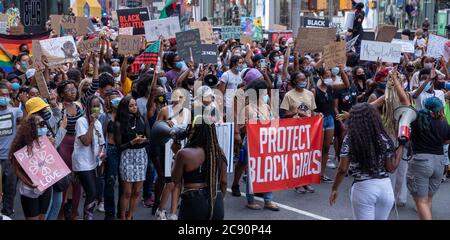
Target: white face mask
point(428, 66)
point(117, 80)
point(116, 69)
point(328, 81)
point(277, 49)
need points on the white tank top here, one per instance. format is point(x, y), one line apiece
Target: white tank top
point(173, 116)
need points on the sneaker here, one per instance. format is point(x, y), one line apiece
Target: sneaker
point(331, 164)
point(172, 217)
point(309, 189)
point(235, 191)
point(148, 203)
point(161, 215)
point(326, 179)
point(101, 207)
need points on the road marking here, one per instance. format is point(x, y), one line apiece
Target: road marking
point(302, 212)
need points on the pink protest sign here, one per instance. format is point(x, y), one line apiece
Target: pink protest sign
point(44, 166)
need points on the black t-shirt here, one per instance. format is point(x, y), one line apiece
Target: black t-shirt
point(431, 140)
point(324, 101)
point(346, 98)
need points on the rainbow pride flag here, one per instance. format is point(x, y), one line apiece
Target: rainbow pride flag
point(12, 43)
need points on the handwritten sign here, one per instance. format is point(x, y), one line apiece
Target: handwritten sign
point(42, 85)
point(231, 32)
point(436, 45)
point(167, 27)
point(209, 53)
point(206, 32)
point(349, 20)
point(334, 54)
point(407, 45)
point(313, 39)
point(59, 50)
point(189, 45)
point(385, 33)
point(44, 166)
point(71, 25)
point(126, 31)
point(244, 39)
point(135, 18)
point(130, 44)
point(89, 46)
point(388, 52)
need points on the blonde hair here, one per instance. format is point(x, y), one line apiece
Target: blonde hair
point(81, 85)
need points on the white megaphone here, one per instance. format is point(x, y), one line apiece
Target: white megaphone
point(405, 115)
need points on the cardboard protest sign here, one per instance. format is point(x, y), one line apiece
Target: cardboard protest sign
point(385, 33)
point(44, 166)
point(42, 84)
point(206, 32)
point(135, 18)
point(388, 52)
point(59, 50)
point(277, 27)
point(435, 46)
point(334, 54)
point(313, 39)
point(71, 25)
point(407, 45)
point(246, 39)
point(189, 45)
point(209, 53)
point(252, 26)
point(37, 55)
point(33, 15)
point(92, 45)
point(167, 27)
point(284, 154)
point(17, 30)
point(126, 31)
point(231, 32)
point(130, 44)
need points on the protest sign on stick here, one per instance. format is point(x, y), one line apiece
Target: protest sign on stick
point(231, 32)
point(209, 54)
point(435, 46)
point(387, 52)
point(41, 84)
point(407, 45)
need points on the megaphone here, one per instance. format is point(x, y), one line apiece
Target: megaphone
point(162, 132)
point(405, 115)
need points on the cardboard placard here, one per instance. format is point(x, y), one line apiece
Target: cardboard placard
point(278, 27)
point(246, 39)
point(33, 15)
point(59, 50)
point(388, 52)
point(126, 31)
point(42, 85)
point(313, 39)
point(209, 53)
point(231, 32)
point(135, 18)
point(167, 27)
point(130, 44)
point(385, 33)
point(44, 166)
point(334, 54)
point(75, 26)
point(206, 32)
point(92, 45)
point(37, 55)
point(189, 45)
point(407, 45)
point(435, 46)
point(17, 30)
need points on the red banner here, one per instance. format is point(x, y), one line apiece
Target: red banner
point(285, 153)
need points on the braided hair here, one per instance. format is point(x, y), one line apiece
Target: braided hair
point(203, 135)
point(367, 138)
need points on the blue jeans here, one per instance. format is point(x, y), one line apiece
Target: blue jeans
point(55, 206)
point(111, 176)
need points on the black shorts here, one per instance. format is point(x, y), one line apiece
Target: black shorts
point(33, 207)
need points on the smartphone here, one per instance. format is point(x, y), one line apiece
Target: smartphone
point(263, 63)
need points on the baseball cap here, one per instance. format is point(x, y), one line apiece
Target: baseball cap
point(35, 105)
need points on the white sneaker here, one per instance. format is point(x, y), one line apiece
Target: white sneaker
point(173, 217)
point(161, 215)
point(101, 207)
point(331, 164)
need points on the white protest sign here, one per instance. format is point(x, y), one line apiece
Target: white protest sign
point(126, 31)
point(407, 45)
point(349, 19)
point(4, 27)
point(435, 47)
point(388, 52)
point(59, 50)
point(167, 27)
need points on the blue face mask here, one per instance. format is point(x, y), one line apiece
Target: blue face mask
point(115, 102)
point(4, 101)
point(15, 86)
point(163, 81)
point(427, 87)
point(42, 132)
point(181, 65)
point(335, 71)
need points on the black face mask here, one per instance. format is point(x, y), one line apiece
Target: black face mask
point(190, 81)
point(361, 77)
point(27, 51)
point(410, 69)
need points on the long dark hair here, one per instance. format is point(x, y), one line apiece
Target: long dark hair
point(367, 137)
point(203, 135)
point(89, 107)
point(123, 113)
point(25, 136)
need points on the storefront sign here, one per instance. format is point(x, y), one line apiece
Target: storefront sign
point(33, 14)
point(135, 18)
point(387, 52)
point(315, 22)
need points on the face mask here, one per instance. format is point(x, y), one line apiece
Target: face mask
point(24, 65)
point(328, 81)
point(382, 85)
point(277, 49)
point(163, 81)
point(95, 110)
point(190, 81)
point(4, 101)
point(15, 86)
point(361, 77)
point(237, 53)
point(181, 65)
point(335, 71)
point(428, 66)
point(240, 67)
point(115, 102)
point(116, 69)
point(90, 73)
point(266, 99)
point(276, 59)
point(410, 69)
point(26, 51)
point(427, 87)
point(42, 132)
point(301, 85)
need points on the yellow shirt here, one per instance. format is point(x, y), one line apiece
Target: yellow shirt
point(294, 100)
point(126, 86)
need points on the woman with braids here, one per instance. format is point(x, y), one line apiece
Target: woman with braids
point(368, 146)
point(429, 133)
point(202, 166)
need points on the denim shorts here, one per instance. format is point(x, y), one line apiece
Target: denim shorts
point(328, 122)
point(425, 173)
